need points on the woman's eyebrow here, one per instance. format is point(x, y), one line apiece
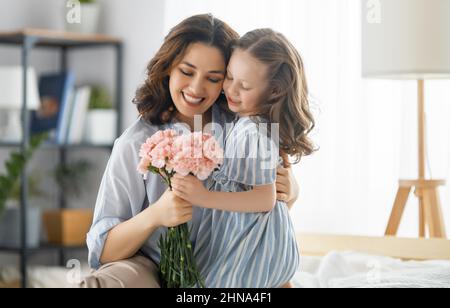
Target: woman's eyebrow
point(211, 72)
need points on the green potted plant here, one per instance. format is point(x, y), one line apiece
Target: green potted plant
point(69, 226)
point(10, 196)
point(72, 177)
point(82, 16)
point(101, 118)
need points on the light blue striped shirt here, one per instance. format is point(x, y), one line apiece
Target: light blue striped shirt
point(241, 250)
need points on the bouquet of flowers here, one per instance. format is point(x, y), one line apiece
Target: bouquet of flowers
point(166, 153)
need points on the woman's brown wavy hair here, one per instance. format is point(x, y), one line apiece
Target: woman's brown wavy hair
point(287, 101)
point(152, 98)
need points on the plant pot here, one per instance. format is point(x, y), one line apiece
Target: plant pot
point(100, 126)
point(10, 227)
point(88, 18)
point(67, 227)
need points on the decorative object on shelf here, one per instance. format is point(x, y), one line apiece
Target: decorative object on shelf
point(34, 188)
point(14, 167)
point(73, 178)
point(10, 216)
point(101, 118)
point(166, 153)
point(69, 226)
point(56, 92)
point(10, 231)
point(82, 16)
point(411, 41)
point(79, 109)
point(11, 100)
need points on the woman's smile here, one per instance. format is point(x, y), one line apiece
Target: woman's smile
point(192, 100)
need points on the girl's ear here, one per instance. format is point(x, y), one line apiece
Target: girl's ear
point(274, 93)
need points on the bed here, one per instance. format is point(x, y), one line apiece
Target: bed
point(328, 261)
point(336, 261)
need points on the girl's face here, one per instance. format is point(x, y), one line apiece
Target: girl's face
point(196, 81)
point(246, 83)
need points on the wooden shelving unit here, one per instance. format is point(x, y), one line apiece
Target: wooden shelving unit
point(27, 40)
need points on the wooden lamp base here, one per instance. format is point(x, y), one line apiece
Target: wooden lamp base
point(430, 211)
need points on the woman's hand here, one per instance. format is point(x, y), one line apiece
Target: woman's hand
point(171, 210)
point(287, 186)
point(190, 189)
point(125, 239)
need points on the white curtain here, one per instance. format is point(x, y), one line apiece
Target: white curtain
point(366, 129)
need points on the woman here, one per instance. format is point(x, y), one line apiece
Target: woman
point(184, 80)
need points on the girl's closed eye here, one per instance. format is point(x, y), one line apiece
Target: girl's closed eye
point(245, 87)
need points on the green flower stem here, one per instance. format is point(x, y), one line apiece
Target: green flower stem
point(177, 268)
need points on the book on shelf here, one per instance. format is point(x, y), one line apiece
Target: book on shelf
point(56, 92)
point(78, 114)
point(63, 108)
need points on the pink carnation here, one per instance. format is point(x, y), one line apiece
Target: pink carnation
point(195, 153)
point(143, 166)
point(198, 154)
point(157, 151)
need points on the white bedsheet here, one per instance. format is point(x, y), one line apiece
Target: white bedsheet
point(335, 270)
point(356, 270)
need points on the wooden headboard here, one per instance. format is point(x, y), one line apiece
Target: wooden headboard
point(402, 248)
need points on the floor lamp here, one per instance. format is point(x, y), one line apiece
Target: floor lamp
point(410, 39)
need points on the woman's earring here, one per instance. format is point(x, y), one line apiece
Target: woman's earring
point(167, 115)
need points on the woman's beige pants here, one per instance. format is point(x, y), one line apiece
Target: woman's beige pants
point(136, 272)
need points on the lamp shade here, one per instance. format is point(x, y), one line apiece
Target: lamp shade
point(11, 87)
point(406, 39)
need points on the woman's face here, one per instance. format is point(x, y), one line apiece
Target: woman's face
point(246, 83)
point(196, 81)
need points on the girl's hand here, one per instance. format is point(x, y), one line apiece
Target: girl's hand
point(171, 210)
point(287, 186)
point(190, 189)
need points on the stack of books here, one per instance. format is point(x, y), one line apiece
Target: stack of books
point(63, 108)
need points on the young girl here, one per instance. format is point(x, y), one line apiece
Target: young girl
point(237, 247)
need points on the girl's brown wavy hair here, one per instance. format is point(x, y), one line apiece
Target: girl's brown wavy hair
point(152, 98)
point(287, 101)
